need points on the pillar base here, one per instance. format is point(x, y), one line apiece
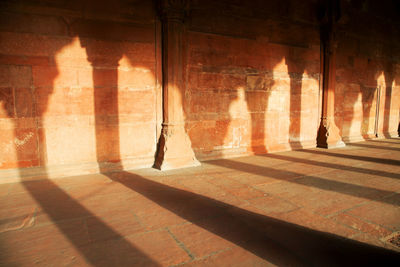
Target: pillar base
point(387, 135)
point(175, 149)
point(328, 135)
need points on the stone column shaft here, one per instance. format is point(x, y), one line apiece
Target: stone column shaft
point(328, 133)
point(174, 150)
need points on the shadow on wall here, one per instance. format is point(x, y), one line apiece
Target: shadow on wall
point(279, 70)
point(354, 100)
point(269, 115)
point(368, 97)
point(271, 239)
point(389, 81)
point(386, 125)
point(104, 61)
point(364, 96)
point(280, 242)
point(288, 67)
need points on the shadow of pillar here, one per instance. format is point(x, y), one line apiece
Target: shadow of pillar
point(388, 129)
point(295, 69)
point(107, 139)
point(55, 202)
point(105, 86)
point(256, 96)
point(368, 95)
point(277, 241)
point(398, 130)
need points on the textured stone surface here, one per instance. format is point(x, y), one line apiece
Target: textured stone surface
point(217, 214)
point(77, 86)
point(81, 81)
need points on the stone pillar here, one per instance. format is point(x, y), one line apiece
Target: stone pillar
point(174, 148)
point(328, 133)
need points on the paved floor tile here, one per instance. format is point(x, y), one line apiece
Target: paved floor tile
point(361, 225)
point(308, 207)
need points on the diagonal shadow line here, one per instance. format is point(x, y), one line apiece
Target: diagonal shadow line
point(395, 141)
point(361, 158)
point(375, 147)
point(277, 241)
point(334, 166)
point(97, 253)
point(308, 180)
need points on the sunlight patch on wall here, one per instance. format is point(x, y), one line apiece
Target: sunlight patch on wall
point(68, 121)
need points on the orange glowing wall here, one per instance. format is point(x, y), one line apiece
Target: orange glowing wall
point(368, 71)
point(253, 76)
point(80, 81)
point(77, 85)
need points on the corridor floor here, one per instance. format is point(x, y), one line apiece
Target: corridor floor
point(307, 207)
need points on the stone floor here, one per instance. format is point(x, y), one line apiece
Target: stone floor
point(309, 207)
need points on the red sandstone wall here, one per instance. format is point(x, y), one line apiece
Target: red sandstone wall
point(253, 75)
point(252, 82)
point(367, 66)
point(79, 80)
point(77, 84)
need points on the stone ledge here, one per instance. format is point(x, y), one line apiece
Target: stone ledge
point(365, 137)
point(223, 153)
point(58, 171)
